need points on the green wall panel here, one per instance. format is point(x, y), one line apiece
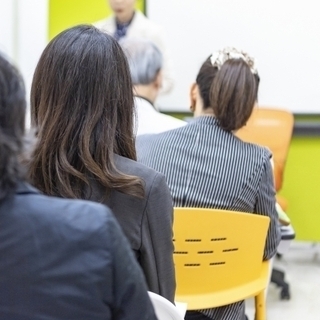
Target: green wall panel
point(301, 187)
point(67, 13)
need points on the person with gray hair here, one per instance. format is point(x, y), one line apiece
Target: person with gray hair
point(146, 64)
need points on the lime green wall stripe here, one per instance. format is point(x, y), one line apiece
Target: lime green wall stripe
point(301, 187)
point(67, 13)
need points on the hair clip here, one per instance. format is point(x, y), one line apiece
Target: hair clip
point(218, 58)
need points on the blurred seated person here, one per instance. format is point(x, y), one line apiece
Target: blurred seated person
point(82, 108)
point(60, 259)
point(207, 166)
point(128, 22)
point(145, 63)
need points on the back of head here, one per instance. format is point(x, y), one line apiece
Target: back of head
point(204, 81)
point(12, 126)
point(144, 58)
point(82, 106)
point(228, 82)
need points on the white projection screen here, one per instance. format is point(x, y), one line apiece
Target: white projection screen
point(283, 36)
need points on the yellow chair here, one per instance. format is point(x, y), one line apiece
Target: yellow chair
point(218, 258)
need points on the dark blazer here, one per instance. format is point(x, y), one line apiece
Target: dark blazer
point(147, 223)
point(66, 259)
point(206, 166)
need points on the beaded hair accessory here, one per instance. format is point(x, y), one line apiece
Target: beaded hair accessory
point(218, 58)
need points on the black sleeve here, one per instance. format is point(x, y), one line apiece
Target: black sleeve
point(157, 245)
point(131, 300)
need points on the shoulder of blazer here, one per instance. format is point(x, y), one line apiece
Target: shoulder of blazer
point(135, 168)
point(261, 151)
point(25, 188)
point(73, 214)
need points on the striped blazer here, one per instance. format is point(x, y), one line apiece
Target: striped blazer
point(208, 167)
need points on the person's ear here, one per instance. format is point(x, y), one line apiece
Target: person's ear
point(193, 96)
point(158, 80)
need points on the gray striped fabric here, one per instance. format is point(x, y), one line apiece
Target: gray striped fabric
point(208, 167)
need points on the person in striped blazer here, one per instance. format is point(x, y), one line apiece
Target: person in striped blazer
point(206, 165)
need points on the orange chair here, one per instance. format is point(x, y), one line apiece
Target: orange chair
point(271, 128)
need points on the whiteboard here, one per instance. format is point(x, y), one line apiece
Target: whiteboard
point(283, 36)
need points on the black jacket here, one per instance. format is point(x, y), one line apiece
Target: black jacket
point(147, 223)
point(66, 259)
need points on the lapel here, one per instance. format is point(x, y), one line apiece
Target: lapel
point(25, 188)
point(110, 25)
point(136, 26)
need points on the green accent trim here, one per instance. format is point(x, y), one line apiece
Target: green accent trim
point(144, 5)
point(180, 115)
point(307, 117)
point(301, 187)
point(64, 14)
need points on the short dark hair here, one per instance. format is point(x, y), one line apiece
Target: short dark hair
point(12, 126)
point(82, 106)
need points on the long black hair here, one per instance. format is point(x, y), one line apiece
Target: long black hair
point(83, 110)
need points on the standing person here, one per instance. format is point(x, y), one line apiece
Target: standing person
point(128, 22)
point(60, 259)
point(82, 108)
point(146, 65)
point(206, 165)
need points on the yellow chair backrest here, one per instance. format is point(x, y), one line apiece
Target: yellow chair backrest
point(271, 128)
point(217, 251)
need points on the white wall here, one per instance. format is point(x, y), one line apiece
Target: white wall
point(24, 34)
point(7, 27)
point(283, 36)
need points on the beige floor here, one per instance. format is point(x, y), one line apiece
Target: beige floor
point(302, 266)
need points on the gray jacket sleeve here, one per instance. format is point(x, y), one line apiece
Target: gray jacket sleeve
point(130, 300)
point(266, 205)
point(156, 243)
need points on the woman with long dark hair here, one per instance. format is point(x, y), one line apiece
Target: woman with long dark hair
point(82, 108)
point(55, 263)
